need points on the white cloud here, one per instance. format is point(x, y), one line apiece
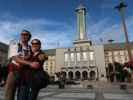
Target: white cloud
point(106, 30)
point(10, 29)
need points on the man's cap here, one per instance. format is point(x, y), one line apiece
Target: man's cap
point(26, 31)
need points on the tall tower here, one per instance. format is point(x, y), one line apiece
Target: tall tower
point(81, 22)
point(81, 38)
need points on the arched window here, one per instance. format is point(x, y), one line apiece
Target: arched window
point(85, 75)
point(70, 75)
point(92, 75)
point(78, 75)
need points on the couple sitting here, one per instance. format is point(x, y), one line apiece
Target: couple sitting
point(26, 70)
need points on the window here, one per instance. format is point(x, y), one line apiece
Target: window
point(106, 53)
point(121, 52)
point(116, 58)
point(78, 56)
point(116, 53)
point(110, 59)
point(84, 55)
point(91, 55)
point(123, 59)
point(110, 53)
point(66, 57)
point(45, 65)
point(72, 56)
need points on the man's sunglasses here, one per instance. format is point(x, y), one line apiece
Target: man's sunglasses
point(35, 43)
point(24, 33)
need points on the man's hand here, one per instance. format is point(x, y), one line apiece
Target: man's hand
point(35, 65)
point(27, 57)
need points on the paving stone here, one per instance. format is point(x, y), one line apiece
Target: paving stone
point(45, 93)
point(56, 99)
point(76, 95)
point(118, 96)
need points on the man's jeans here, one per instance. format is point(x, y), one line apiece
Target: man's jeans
point(10, 87)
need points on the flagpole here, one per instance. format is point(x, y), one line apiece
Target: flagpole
point(120, 8)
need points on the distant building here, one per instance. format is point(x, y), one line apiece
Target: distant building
point(55, 60)
point(116, 52)
point(3, 53)
point(81, 61)
point(50, 64)
point(84, 61)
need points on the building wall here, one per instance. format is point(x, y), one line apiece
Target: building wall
point(49, 65)
point(86, 63)
point(120, 56)
point(116, 52)
point(100, 60)
point(56, 63)
point(59, 59)
point(3, 54)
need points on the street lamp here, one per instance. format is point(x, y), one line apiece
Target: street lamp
point(113, 62)
point(120, 8)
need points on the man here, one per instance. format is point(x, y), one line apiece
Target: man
point(33, 78)
point(22, 49)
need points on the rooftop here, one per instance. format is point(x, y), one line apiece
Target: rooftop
point(50, 51)
point(116, 46)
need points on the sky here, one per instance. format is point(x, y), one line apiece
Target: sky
point(54, 21)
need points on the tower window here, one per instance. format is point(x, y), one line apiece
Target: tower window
point(78, 56)
point(91, 55)
point(72, 56)
point(66, 57)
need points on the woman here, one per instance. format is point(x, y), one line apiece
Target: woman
point(32, 72)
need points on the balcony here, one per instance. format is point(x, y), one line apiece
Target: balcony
point(63, 68)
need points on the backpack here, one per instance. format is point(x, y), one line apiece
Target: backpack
point(40, 79)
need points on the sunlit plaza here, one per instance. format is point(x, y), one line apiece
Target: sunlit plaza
point(88, 70)
point(110, 92)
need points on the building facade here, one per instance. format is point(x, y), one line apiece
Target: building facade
point(3, 53)
point(85, 61)
point(80, 62)
point(49, 65)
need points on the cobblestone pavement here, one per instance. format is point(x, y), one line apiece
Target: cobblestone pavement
point(76, 93)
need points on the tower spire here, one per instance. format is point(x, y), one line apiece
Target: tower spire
point(80, 2)
point(81, 38)
point(81, 22)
